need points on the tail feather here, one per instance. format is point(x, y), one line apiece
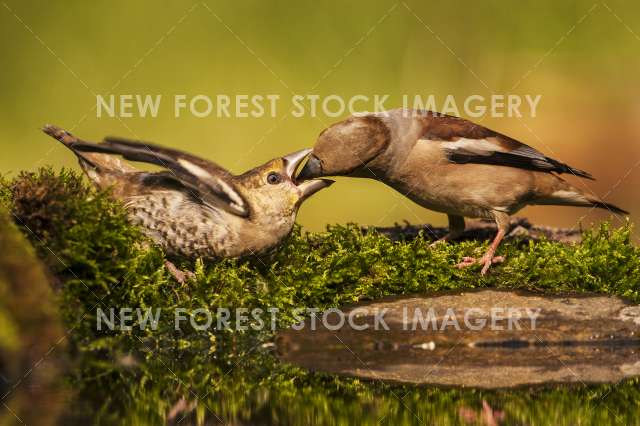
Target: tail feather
point(570, 196)
point(551, 189)
point(612, 208)
point(69, 140)
point(60, 134)
point(93, 164)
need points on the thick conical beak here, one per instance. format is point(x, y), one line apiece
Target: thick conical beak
point(312, 169)
point(310, 187)
point(293, 160)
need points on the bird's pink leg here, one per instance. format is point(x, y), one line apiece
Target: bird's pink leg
point(489, 259)
point(180, 276)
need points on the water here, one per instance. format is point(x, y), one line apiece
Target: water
point(578, 365)
point(485, 339)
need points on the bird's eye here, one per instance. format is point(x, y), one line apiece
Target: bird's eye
point(274, 178)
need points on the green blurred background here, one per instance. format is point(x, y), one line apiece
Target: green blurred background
point(582, 57)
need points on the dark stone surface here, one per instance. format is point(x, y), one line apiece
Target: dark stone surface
point(575, 339)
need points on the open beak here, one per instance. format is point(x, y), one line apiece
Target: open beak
point(312, 169)
point(293, 160)
point(310, 187)
point(307, 187)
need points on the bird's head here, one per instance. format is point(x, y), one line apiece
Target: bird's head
point(272, 189)
point(346, 147)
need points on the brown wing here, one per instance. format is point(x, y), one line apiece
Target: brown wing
point(208, 181)
point(467, 142)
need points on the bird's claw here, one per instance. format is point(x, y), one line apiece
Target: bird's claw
point(466, 261)
point(438, 242)
point(179, 275)
point(485, 260)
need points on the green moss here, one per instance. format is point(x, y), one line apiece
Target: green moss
point(101, 261)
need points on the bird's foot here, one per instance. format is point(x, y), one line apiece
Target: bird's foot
point(438, 241)
point(487, 416)
point(487, 260)
point(179, 275)
point(448, 237)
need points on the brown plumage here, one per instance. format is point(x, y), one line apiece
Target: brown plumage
point(447, 164)
point(195, 208)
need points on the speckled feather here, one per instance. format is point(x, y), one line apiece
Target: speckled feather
point(196, 208)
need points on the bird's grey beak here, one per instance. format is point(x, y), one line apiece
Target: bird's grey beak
point(293, 160)
point(310, 187)
point(312, 169)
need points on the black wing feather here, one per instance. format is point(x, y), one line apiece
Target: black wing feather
point(521, 158)
point(217, 190)
point(508, 151)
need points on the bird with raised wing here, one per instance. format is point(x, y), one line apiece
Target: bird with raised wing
point(450, 165)
point(194, 207)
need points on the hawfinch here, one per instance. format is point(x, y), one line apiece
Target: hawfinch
point(449, 165)
point(194, 207)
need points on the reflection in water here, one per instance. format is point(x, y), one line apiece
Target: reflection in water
point(487, 339)
point(486, 416)
point(243, 383)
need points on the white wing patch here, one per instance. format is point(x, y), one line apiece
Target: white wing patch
point(236, 200)
point(473, 145)
point(194, 169)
